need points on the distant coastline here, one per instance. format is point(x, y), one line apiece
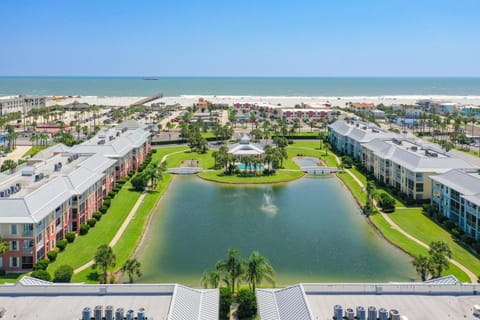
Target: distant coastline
point(241, 86)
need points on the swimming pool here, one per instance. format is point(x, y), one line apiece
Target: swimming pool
point(242, 166)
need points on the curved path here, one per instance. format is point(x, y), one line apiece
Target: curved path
point(393, 225)
point(125, 223)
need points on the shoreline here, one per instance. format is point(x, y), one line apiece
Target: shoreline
point(280, 101)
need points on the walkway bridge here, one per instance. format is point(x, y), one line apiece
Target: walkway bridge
point(319, 170)
point(185, 170)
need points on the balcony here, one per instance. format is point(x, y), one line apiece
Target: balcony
point(27, 233)
point(28, 250)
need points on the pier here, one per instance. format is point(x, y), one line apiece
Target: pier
point(148, 99)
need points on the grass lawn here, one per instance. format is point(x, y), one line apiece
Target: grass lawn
point(354, 187)
point(130, 239)
point(206, 160)
point(410, 246)
point(424, 229)
point(280, 176)
point(83, 248)
point(360, 176)
point(11, 278)
point(33, 151)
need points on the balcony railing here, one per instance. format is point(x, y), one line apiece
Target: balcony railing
point(27, 233)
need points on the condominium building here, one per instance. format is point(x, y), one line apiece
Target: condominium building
point(347, 137)
point(407, 166)
point(59, 189)
point(24, 104)
point(456, 195)
point(392, 158)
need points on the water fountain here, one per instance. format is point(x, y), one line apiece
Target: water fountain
point(267, 205)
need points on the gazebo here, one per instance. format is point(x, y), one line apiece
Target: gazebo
point(245, 148)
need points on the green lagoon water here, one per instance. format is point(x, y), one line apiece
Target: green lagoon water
point(310, 229)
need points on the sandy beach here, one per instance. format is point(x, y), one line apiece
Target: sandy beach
point(285, 101)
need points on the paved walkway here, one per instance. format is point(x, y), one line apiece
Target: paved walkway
point(393, 225)
point(119, 233)
point(125, 223)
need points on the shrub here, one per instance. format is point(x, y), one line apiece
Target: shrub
point(116, 189)
point(63, 274)
point(248, 304)
point(103, 209)
point(449, 224)
point(70, 236)
point(112, 194)
point(225, 302)
point(41, 264)
point(139, 182)
point(2, 272)
point(41, 274)
point(62, 244)
point(91, 222)
point(107, 202)
point(84, 229)
point(97, 215)
point(152, 151)
point(387, 203)
point(52, 254)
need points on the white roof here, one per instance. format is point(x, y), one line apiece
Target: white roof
point(245, 147)
point(194, 304)
point(283, 304)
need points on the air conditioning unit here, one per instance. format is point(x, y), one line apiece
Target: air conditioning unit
point(337, 312)
point(130, 315)
point(86, 313)
point(349, 314)
point(2, 194)
point(394, 314)
point(361, 313)
point(382, 314)
point(119, 314)
point(97, 312)
point(372, 313)
point(109, 313)
point(141, 314)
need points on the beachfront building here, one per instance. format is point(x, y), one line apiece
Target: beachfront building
point(361, 107)
point(306, 115)
point(23, 104)
point(59, 189)
point(469, 111)
point(456, 195)
point(472, 132)
point(246, 148)
point(407, 166)
point(443, 298)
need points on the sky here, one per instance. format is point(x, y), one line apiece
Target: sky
point(240, 38)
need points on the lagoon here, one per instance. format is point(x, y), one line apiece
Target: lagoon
point(310, 229)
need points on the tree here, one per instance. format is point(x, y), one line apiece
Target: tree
point(3, 246)
point(153, 173)
point(210, 278)
point(8, 165)
point(440, 254)
point(423, 266)
point(231, 269)
point(132, 268)
point(139, 182)
point(257, 269)
point(103, 259)
point(387, 202)
point(63, 274)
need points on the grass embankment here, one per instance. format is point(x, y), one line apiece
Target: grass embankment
point(280, 176)
point(83, 248)
point(416, 224)
point(424, 229)
point(411, 247)
point(33, 151)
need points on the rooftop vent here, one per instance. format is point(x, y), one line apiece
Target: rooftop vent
point(101, 141)
point(111, 138)
point(397, 141)
point(430, 153)
point(414, 148)
point(39, 177)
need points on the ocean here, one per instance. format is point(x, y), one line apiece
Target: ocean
point(239, 86)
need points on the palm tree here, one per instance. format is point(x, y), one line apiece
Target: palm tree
point(439, 254)
point(257, 269)
point(132, 268)
point(210, 278)
point(231, 269)
point(423, 266)
point(104, 258)
point(153, 173)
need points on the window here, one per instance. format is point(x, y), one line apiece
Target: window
point(14, 245)
point(53, 244)
point(13, 262)
point(13, 229)
point(1, 262)
point(419, 187)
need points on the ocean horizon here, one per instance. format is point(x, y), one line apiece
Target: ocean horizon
point(238, 86)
